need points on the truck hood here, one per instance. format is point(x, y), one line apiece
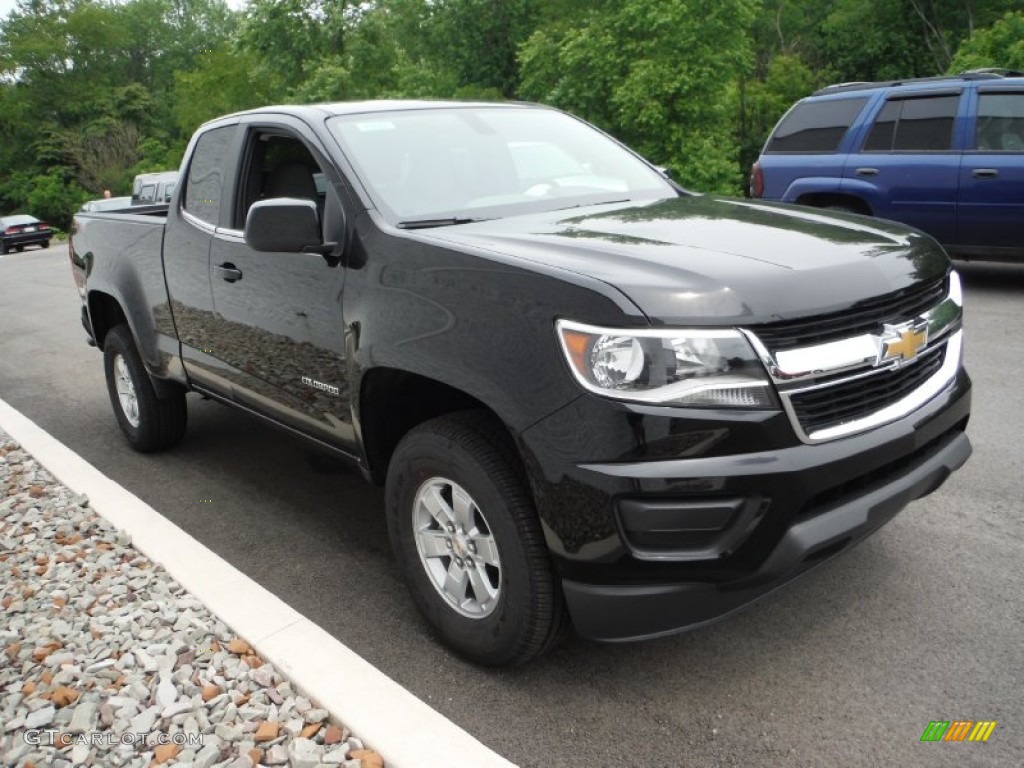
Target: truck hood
point(708, 260)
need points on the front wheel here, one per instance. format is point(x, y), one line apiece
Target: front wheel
point(149, 422)
point(45, 244)
point(468, 541)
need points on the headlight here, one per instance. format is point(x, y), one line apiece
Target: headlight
point(716, 369)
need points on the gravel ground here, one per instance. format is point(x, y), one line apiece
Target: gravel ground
point(107, 661)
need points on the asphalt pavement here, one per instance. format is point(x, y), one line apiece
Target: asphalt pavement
point(846, 667)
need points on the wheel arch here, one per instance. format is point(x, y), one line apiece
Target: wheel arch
point(105, 312)
point(393, 401)
point(835, 199)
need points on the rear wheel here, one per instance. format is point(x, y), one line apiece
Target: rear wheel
point(468, 541)
point(149, 422)
point(4, 248)
point(45, 244)
point(19, 248)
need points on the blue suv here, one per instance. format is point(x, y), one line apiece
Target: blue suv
point(943, 154)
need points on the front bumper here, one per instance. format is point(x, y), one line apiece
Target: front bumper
point(767, 507)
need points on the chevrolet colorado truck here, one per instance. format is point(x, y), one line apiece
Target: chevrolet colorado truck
point(594, 399)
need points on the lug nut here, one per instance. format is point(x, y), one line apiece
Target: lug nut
point(469, 562)
point(458, 562)
point(451, 528)
point(448, 543)
point(472, 547)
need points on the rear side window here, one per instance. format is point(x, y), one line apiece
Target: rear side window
point(815, 126)
point(914, 125)
point(204, 186)
point(1000, 122)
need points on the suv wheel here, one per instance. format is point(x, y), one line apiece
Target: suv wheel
point(468, 541)
point(149, 422)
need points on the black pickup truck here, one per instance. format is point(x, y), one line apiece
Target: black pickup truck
point(593, 397)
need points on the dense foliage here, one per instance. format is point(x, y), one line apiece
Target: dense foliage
point(95, 91)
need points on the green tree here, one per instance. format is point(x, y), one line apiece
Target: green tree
point(1001, 45)
point(54, 196)
point(660, 75)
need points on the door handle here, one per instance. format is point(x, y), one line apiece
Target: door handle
point(984, 173)
point(228, 272)
point(866, 171)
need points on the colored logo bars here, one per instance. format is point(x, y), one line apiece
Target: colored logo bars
point(958, 730)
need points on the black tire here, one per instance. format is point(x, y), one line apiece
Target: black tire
point(470, 449)
point(19, 248)
point(4, 248)
point(45, 244)
point(158, 422)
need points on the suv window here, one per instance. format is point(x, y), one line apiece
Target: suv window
point(205, 183)
point(816, 126)
point(914, 124)
point(1000, 122)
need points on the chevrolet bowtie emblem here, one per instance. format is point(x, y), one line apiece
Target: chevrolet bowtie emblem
point(902, 342)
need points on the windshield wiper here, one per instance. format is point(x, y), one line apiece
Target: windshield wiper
point(599, 202)
point(428, 223)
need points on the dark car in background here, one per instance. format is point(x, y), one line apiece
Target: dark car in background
point(943, 154)
point(20, 230)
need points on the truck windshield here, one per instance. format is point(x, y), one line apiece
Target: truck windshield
point(451, 165)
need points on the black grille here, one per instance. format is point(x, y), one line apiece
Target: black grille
point(842, 403)
point(864, 317)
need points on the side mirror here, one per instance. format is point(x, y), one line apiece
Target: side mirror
point(285, 224)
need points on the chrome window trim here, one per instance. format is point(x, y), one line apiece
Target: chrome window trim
point(198, 223)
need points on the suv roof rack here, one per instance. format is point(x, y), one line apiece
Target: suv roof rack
point(972, 74)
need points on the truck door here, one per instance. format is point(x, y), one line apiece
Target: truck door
point(280, 331)
point(991, 207)
point(191, 224)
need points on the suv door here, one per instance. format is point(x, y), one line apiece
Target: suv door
point(280, 331)
point(907, 168)
point(990, 212)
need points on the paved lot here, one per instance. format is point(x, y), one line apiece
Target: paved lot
point(846, 667)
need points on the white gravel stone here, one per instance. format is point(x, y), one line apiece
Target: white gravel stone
point(166, 693)
point(84, 717)
point(79, 754)
point(334, 756)
point(180, 707)
point(304, 753)
point(145, 720)
point(206, 757)
point(39, 718)
point(316, 715)
point(276, 755)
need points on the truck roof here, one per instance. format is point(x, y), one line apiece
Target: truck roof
point(369, 107)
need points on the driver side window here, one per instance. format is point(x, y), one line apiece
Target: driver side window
point(279, 165)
